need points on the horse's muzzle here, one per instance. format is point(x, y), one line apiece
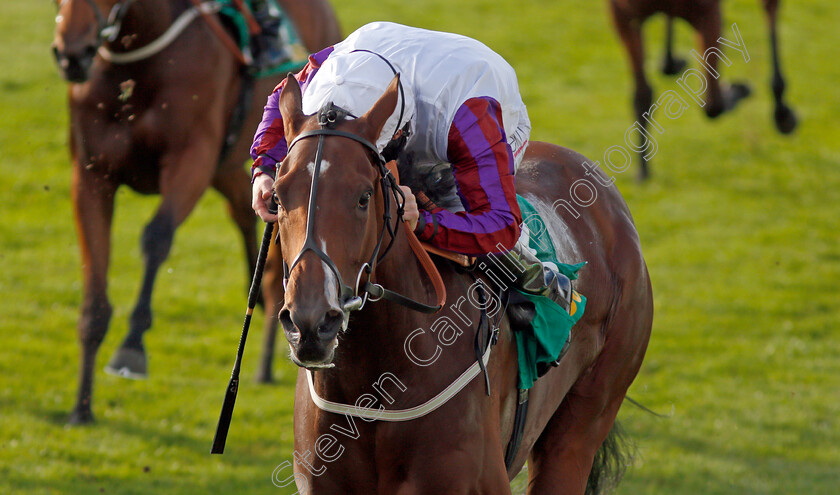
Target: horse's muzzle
point(75, 67)
point(313, 336)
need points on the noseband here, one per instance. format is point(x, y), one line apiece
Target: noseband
point(355, 298)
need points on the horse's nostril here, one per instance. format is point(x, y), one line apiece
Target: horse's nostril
point(334, 314)
point(286, 321)
point(303, 326)
point(74, 61)
point(331, 324)
point(60, 58)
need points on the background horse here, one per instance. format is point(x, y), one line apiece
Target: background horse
point(156, 125)
point(387, 355)
point(705, 17)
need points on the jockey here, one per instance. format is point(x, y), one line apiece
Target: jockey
point(267, 47)
point(461, 103)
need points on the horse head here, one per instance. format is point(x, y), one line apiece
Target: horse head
point(332, 201)
point(80, 28)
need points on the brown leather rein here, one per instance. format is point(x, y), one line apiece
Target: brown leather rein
point(419, 248)
point(223, 35)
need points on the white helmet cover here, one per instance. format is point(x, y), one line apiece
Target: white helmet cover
point(354, 81)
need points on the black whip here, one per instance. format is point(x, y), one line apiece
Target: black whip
point(233, 386)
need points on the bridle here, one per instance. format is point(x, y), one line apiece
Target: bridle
point(354, 298)
point(107, 28)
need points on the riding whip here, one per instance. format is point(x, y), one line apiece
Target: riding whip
point(233, 386)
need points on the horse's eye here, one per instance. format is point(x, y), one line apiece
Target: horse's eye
point(364, 200)
point(276, 199)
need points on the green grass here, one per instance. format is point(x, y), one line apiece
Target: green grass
point(739, 227)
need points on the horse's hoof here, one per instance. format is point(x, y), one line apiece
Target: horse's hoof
point(128, 363)
point(80, 417)
point(673, 66)
point(735, 93)
point(786, 120)
point(740, 90)
point(729, 97)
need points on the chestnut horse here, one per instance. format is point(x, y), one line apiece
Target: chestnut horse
point(331, 224)
point(156, 125)
point(705, 17)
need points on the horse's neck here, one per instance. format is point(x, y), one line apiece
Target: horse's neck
point(377, 344)
point(399, 272)
point(375, 341)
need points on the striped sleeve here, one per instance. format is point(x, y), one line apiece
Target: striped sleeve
point(482, 162)
point(269, 146)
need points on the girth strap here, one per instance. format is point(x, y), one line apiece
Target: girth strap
point(519, 418)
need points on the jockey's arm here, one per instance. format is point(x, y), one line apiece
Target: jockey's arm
point(482, 162)
point(270, 147)
point(268, 150)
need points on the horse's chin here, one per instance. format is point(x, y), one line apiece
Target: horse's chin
point(313, 364)
point(74, 75)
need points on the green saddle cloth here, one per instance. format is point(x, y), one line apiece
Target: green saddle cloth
point(288, 34)
point(551, 326)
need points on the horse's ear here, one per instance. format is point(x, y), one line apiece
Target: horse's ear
point(291, 108)
point(375, 118)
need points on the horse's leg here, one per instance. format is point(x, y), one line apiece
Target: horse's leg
point(234, 185)
point(719, 98)
point(93, 201)
point(784, 117)
point(183, 180)
point(272, 290)
point(562, 458)
point(671, 65)
point(129, 360)
point(630, 30)
point(265, 371)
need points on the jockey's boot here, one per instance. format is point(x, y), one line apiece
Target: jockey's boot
point(268, 49)
point(540, 279)
point(533, 277)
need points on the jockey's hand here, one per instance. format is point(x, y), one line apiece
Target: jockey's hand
point(411, 214)
point(261, 197)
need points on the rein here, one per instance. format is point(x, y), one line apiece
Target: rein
point(354, 299)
